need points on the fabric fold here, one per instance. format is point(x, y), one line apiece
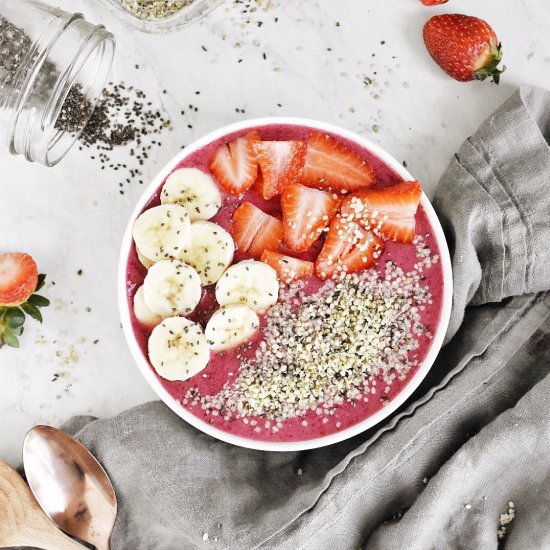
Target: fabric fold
point(495, 212)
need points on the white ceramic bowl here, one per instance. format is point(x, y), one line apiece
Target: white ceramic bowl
point(369, 422)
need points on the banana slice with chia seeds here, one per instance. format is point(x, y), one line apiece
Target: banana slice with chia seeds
point(249, 282)
point(178, 348)
point(143, 314)
point(161, 232)
point(146, 262)
point(209, 250)
point(193, 189)
point(231, 326)
point(171, 287)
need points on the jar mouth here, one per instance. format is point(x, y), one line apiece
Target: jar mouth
point(77, 93)
point(66, 76)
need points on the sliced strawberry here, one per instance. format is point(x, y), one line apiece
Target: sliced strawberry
point(306, 212)
point(255, 231)
point(280, 164)
point(288, 268)
point(389, 212)
point(332, 166)
point(348, 248)
point(269, 237)
point(234, 164)
point(18, 278)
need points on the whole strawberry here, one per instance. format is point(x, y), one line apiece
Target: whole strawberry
point(433, 2)
point(465, 47)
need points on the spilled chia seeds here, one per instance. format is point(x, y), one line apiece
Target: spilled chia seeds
point(123, 117)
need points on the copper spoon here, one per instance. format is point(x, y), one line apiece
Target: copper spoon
point(22, 522)
point(70, 485)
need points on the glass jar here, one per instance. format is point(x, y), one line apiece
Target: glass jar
point(137, 14)
point(53, 69)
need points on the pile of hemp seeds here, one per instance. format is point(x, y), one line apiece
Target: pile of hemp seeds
point(154, 9)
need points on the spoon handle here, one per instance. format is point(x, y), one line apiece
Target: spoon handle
point(61, 542)
point(22, 522)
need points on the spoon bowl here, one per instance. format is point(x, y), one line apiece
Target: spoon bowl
point(70, 485)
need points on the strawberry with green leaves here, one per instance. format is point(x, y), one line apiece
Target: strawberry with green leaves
point(465, 47)
point(19, 280)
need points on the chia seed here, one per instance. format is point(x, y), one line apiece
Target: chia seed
point(122, 117)
point(15, 54)
point(75, 111)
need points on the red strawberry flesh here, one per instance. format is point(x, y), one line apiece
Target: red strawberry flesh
point(280, 162)
point(348, 248)
point(18, 278)
point(255, 231)
point(269, 237)
point(234, 165)
point(288, 268)
point(433, 2)
point(330, 165)
point(389, 212)
point(306, 212)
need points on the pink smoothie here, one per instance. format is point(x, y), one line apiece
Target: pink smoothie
point(224, 367)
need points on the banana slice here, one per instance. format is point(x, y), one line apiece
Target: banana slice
point(178, 349)
point(143, 260)
point(194, 190)
point(171, 288)
point(143, 314)
point(250, 283)
point(231, 326)
point(162, 231)
point(209, 250)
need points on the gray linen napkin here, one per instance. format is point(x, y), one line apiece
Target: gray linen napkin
point(472, 444)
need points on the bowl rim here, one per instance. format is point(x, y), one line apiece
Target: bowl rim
point(174, 404)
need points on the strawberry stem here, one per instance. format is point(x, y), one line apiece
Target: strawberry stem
point(491, 68)
point(12, 318)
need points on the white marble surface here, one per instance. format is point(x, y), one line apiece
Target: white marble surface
point(71, 217)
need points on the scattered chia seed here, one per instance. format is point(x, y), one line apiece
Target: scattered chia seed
point(123, 117)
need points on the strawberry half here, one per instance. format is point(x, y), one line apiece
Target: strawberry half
point(280, 164)
point(348, 248)
point(18, 278)
point(389, 212)
point(306, 212)
point(234, 164)
point(255, 231)
point(331, 166)
point(465, 47)
point(288, 268)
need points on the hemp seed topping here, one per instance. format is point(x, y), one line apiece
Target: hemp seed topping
point(323, 349)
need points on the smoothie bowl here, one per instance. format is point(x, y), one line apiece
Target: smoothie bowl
point(284, 284)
